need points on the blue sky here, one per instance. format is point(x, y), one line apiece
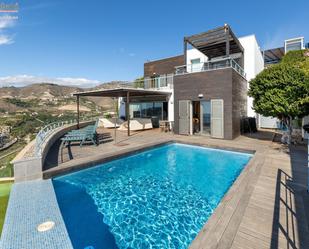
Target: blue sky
point(87, 42)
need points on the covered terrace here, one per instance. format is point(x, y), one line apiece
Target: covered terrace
point(128, 94)
point(218, 42)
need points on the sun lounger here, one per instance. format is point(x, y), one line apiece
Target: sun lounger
point(82, 135)
point(137, 124)
point(109, 122)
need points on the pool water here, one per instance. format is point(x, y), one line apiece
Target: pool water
point(159, 198)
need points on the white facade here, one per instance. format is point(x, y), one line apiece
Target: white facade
point(253, 64)
point(193, 56)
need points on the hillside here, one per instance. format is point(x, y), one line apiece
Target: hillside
point(47, 92)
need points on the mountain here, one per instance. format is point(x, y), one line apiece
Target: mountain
point(39, 91)
point(51, 92)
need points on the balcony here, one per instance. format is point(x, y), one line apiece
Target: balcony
point(162, 82)
point(209, 66)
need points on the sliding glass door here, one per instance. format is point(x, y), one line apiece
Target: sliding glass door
point(205, 117)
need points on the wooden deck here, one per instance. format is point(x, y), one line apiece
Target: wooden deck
point(265, 208)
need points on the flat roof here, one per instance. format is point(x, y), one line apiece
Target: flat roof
point(213, 42)
point(122, 92)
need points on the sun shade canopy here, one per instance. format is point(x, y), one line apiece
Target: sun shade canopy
point(122, 92)
point(217, 42)
point(272, 56)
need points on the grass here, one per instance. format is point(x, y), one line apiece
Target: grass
point(5, 189)
point(6, 168)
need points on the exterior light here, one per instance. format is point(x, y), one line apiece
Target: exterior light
point(200, 95)
point(46, 226)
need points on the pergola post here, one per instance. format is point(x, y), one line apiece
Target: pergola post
point(77, 108)
point(185, 50)
point(116, 100)
point(128, 111)
point(227, 40)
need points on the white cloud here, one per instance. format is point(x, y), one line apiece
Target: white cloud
point(5, 39)
point(131, 54)
point(5, 23)
point(23, 80)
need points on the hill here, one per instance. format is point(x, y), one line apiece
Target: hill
point(14, 99)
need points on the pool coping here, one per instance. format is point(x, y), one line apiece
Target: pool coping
point(221, 227)
point(93, 161)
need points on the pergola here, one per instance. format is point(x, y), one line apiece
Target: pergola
point(126, 93)
point(215, 43)
point(272, 56)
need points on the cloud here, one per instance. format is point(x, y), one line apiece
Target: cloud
point(131, 54)
point(23, 80)
point(6, 39)
point(5, 23)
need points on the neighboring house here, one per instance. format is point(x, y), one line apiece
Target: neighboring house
point(274, 56)
point(208, 84)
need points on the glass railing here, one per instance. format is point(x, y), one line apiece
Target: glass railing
point(161, 82)
point(49, 129)
point(210, 65)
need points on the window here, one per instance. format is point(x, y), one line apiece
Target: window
point(294, 44)
point(195, 65)
point(196, 61)
point(147, 110)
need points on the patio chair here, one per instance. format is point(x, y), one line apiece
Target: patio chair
point(83, 130)
point(85, 134)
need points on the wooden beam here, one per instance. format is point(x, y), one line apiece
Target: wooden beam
point(77, 108)
point(128, 111)
point(185, 50)
point(227, 40)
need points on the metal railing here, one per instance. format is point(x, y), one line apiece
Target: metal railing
point(160, 82)
point(48, 129)
point(210, 65)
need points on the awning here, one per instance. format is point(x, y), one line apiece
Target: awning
point(123, 92)
point(127, 93)
point(272, 56)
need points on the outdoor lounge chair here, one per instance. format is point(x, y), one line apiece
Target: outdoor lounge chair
point(82, 135)
point(137, 124)
point(109, 122)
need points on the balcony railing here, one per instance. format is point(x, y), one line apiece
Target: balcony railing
point(210, 65)
point(49, 129)
point(160, 82)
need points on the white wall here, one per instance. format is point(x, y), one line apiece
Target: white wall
point(253, 64)
point(195, 54)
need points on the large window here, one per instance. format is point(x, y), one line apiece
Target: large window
point(294, 44)
point(147, 110)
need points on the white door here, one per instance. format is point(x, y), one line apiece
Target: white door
point(184, 117)
point(217, 118)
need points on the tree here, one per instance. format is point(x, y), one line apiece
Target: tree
point(139, 82)
point(282, 90)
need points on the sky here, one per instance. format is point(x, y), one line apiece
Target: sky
point(85, 43)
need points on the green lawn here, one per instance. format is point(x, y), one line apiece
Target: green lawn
point(5, 189)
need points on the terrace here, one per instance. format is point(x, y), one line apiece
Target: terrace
point(265, 208)
point(221, 47)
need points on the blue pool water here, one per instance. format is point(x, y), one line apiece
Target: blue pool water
point(159, 198)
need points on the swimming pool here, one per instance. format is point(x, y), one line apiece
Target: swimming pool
point(158, 198)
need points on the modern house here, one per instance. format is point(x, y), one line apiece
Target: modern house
point(208, 84)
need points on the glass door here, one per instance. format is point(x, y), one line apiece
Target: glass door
point(205, 117)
